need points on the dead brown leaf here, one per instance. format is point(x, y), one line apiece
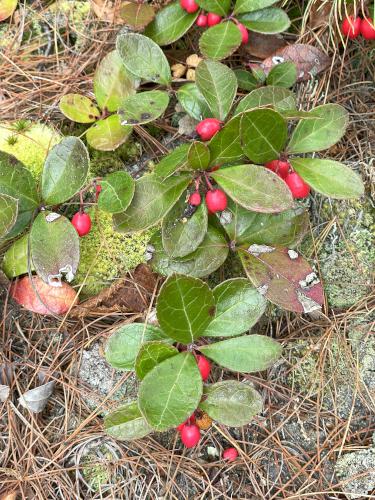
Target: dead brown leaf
point(9, 496)
point(263, 46)
point(108, 10)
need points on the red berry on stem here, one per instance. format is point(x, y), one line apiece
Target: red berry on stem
point(208, 128)
point(281, 168)
point(230, 454)
point(216, 200)
point(202, 20)
point(195, 199)
point(351, 27)
point(244, 33)
point(204, 367)
point(190, 435)
point(189, 5)
point(82, 222)
point(297, 186)
point(213, 19)
point(367, 28)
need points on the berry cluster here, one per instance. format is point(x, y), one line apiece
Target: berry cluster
point(216, 200)
point(296, 184)
point(352, 27)
point(211, 19)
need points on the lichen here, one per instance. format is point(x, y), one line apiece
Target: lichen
point(96, 466)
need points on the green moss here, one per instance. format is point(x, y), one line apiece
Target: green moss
point(107, 255)
point(95, 473)
point(105, 162)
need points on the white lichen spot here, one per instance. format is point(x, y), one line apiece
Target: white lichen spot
point(54, 280)
point(150, 250)
point(68, 271)
point(226, 217)
point(263, 289)
point(277, 59)
point(292, 254)
point(258, 249)
point(310, 280)
point(52, 216)
point(309, 305)
point(301, 75)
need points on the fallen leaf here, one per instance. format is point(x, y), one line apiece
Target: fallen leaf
point(4, 392)
point(38, 297)
point(36, 399)
point(9, 496)
point(263, 46)
point(108, 11)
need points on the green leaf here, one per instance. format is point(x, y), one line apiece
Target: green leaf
point(153, 198)
point(123, 345)
point(245, 80)
point(137, 15)
point(263, 134)
point(225, 146)
point(170, 393)
point(79, 108)
point(54, 245)
point(283, 75)
point(283, 277)
point(16, 181)
point(193, 102)
point(220, 41)
point(218, 85)
point(329, 177)
point(286, 228)
point(198, 155)
point(182, 234)
point(268, 97)
point(143, 58)
point(231, 403)
point(108, 134)
point(126, 423)
point(220, 7)
point(112, 83)
point(143, 107)
point(255, 188)
point(315, 135)
point(15, 260)
point(272, 20)
point(238, 307)
point(65, 171)
point(208, 257)
point(246, 354)
point(172, 162)
point(170, 24)
point(8, 213)
point(243, 6)
point(151, 354)
point(117, 192)
point(184, 308)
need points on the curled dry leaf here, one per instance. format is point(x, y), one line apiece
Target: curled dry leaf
point(263, 46)
point(36, 399)
point(38, 297)
point(4, 392)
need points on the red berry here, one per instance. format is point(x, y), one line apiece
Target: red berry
point(195, 199)
point(351, 27)
point(189, 5)
point(190, 435)
point(214, 168)
point(244, 33)
point(213, 19)
point(230, 454)
point(202, 20)
point(216, 200)
point(82, 222)
point(190, 420)
point(204, 367)
point(367, 29)
point(281, 168)
point(208, 128)
point(297, 186)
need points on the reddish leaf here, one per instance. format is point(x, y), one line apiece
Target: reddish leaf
point(263, 46)
point(38, 297)
point(283, 277)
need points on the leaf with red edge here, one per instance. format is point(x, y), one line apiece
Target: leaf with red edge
point(38, 297)
point(7, 7)
point(283, 277)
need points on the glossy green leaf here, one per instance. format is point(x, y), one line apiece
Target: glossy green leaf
point(243, 6)
point(15, 260)
point(268, 97)
point(172, 162)
point(170, 24)
point(143, 58)
point(117, 192)
point(7, 7)
point(220, 7)
point(225, 146)
point(8, 213)
point(315, 135)
point(198, 155)
point(184, 308)
point(79, 108)
point(246, 354)
point(151, 354)
point(182, 233)
point(123, 345)
point(193, 102)
point(231, 403)
point(329, 177)
point(143, 107)
point(208, 257)
point(270, 21)
point(136, 14)
point(255, 188)
point(65, 171)
point(108, 134)
point(153, 198)
point(112, 82)
point(220, 41)
point(283, 75)
point(54, 245)
point(170, 392)
point(126, 423)
point(245, 80)
point(218, 85)
point(263, 134)
point(238, 307)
